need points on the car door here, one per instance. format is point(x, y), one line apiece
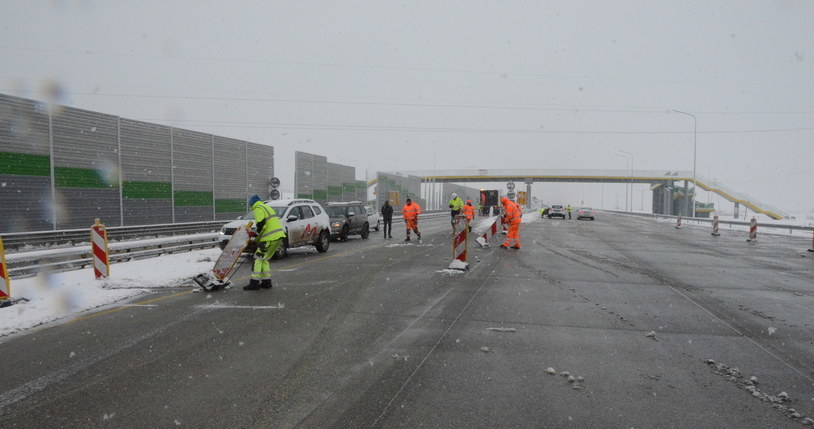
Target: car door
point(311, 230)
point(295, 227)
point(360, 219)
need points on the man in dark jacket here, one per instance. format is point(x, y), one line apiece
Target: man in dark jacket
point(387, 216)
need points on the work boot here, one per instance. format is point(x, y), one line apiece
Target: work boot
point(265, 284)
point(516, 247)
point(503, 246)
point(419, 237)
point(389, 236)
point(407, 239)
point(254, 284)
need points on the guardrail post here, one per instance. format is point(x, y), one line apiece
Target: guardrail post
point(5, 281)
point(101, 260)
point(752, 231)
point(715, 232)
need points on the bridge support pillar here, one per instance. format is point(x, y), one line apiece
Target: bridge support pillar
point(528, 193)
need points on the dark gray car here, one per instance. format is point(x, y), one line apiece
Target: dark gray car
point(347, 219)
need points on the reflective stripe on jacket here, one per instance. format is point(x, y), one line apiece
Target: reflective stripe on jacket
point(272, 228)
point(411, 211)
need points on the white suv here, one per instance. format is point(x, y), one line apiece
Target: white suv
point(305, 223)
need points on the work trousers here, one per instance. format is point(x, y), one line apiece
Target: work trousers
point(265, 250)
point(412, 224)
point(513, 236)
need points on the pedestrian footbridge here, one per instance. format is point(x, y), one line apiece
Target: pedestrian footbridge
point(652, 177)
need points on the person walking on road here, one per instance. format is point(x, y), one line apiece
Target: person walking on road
point(512, 216)
point(410, 211)
point(455, 204)
point(387, 215)
point(270, 235)
point(469, 212)
point(569, 211)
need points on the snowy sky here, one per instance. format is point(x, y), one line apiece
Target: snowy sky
point(409, 85)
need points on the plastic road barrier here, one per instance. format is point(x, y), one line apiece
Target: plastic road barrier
point(493, 229)
point(98, 239)
point(678, 222)
point(5, 282)
point(752, 231)
point(715, 232)
point(460, 242)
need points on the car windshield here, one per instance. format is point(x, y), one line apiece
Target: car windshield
point(278, 210)
point(335, 211)
point(585, 208)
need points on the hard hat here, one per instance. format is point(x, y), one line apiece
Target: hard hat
point(454, 195)
point(469, 201)
point(504, 200)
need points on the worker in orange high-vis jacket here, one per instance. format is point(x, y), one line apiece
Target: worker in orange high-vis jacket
point(512, 217)
point(410, 211)
point(469, 212)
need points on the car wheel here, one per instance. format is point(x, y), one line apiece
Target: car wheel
point(323, 242)
point(377, 226)
point(282, 250)
point(344, 235)
point(365, 231)
point(222, 244)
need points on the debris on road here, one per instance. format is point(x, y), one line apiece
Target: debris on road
point(551, 371)
point(501, 329)
point(486, 349)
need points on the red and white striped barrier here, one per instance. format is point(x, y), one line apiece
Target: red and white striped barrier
point(715, 232)
point(810, 250)
point(98, 240)
point(491, 231)
point(752, 231)
point(5, 282)
point(460, 242)
point(678, 222)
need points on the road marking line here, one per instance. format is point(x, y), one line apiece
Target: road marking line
point(113, 310)
point(250, 307)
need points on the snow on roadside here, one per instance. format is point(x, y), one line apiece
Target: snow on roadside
point(57, 295)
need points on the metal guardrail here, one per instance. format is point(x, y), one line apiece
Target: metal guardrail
point(720, 221)
point(18, 240)
point(24, 264)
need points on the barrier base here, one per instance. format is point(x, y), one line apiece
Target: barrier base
point(811, 250)
point(749, 240)
point(459, 265)
point(714, 234)
point(481, 241)
point(12, 301)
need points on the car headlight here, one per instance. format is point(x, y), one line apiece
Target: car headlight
point(223, 231)
point(335, 224)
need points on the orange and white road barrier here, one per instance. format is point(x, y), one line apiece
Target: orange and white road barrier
point(98, 241)
point(678, 222)
point(715, 232)
point(460, 243)
point(752, 231)
point(5, 282)
point(810, 250)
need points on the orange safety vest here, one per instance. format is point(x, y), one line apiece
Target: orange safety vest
point(469, 211)
point(411, 212)
point(512, 215)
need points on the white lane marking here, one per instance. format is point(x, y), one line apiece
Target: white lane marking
point(246, 307)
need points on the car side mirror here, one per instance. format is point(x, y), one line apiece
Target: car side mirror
point(291, 218)
point(240, 217)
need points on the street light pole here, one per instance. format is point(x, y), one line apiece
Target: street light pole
point(694, 153)
point(629, 178)
point(627, 165)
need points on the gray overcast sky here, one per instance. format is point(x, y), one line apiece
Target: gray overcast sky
point(385, 85)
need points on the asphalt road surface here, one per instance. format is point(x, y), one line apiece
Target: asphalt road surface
point(375, 333)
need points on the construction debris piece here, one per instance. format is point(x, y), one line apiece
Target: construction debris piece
point(551, 371)
point(486, 349)
point(501, 329)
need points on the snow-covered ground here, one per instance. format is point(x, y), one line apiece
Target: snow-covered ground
point(56, 296)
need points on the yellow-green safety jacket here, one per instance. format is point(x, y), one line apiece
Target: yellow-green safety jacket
point(268, 223)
